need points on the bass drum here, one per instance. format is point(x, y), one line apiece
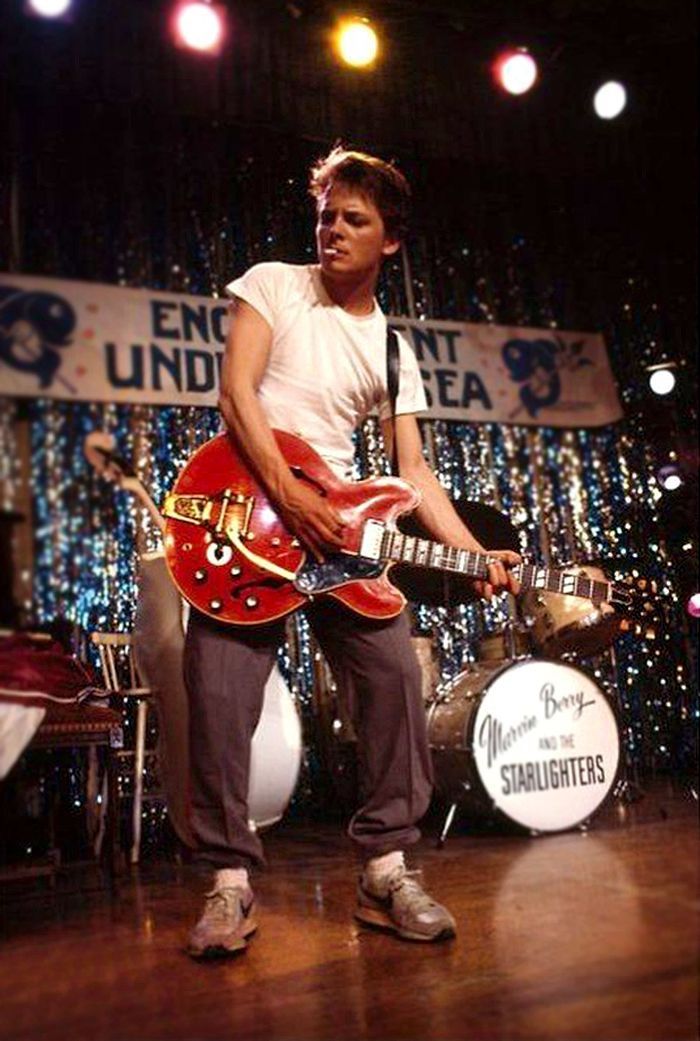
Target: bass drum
point(275, 755)
point(534, 743)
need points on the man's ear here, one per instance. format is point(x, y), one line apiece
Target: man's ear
point(391, 246)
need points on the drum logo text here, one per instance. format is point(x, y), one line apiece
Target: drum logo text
point(496, 740)
point(553, 704)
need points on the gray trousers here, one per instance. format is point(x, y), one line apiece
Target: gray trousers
point(226, 669)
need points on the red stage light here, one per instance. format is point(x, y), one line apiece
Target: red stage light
point(516, 71)
point(693, 605)
point(199, 25)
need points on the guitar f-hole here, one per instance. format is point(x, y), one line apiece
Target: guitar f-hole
point(301, 475)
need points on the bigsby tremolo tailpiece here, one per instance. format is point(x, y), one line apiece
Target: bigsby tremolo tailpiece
point(225, 515)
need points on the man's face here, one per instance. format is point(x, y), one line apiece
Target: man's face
point(350, 236)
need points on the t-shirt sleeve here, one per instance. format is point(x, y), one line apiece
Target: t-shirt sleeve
point(411, 397)
point(263, 286)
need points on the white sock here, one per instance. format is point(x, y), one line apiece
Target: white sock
point(378, 869)
point(228, 878)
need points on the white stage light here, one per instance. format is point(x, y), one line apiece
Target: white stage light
point(609, 100)
point(669, 477)
point(517, 72)
point(199, 25)
point(662, 381)
point(357, 43)
point(49, 8)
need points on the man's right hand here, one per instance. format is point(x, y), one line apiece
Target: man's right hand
point(309, 516)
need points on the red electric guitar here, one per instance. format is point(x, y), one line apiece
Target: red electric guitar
point(232, 558)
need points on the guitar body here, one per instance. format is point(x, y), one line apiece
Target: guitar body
point(231, 556)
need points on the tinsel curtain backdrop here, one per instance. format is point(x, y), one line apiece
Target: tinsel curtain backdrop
point(185, 201)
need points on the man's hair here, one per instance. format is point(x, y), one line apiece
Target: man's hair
point(380, 182)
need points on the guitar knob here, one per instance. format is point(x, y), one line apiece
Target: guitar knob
point(275, 541)
point(251, 602)
point(200, 575)
point(214, 605)
point(235, 571)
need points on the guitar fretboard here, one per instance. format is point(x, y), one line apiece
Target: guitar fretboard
point(409, 549)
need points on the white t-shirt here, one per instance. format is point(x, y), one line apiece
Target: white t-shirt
point(327, 368)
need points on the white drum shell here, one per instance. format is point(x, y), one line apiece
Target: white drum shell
point(275, 755)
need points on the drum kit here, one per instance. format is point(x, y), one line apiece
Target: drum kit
point(523, 738)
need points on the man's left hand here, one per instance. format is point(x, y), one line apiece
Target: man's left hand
point(501, 579)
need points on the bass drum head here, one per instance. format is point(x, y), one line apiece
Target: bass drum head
point(541, 739)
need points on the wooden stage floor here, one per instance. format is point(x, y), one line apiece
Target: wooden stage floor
point(571, 936)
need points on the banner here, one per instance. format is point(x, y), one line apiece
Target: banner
point(83, 341)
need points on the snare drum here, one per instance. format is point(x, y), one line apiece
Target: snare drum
point(564, 624)
point(533, 742)
point(498, 646)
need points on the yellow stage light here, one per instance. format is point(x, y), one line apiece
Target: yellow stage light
point(357, 43)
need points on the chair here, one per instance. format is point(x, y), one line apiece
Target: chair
point(121, 678)
point(95, 728)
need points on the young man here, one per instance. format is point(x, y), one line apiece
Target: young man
point(307, 353)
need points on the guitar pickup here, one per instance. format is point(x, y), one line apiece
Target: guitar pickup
point(371, 542)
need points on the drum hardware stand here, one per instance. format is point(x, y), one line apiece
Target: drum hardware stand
point(509, 630)
point(449, 818)
point(626, 789)
point(446, 826)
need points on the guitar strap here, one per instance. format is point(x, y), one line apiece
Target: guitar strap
point(392, 386)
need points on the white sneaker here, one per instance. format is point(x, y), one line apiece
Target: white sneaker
point(401, 905)
point(227, 922)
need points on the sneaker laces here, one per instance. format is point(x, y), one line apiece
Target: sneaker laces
point(222, 904)
point(409, 884)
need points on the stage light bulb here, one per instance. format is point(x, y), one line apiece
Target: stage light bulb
point(609, 100)
point(669, 477)
point(662, 381)
point(693, 605)
point(199, 26)
point(49, 8)
point(517, 72)
point(357, 43)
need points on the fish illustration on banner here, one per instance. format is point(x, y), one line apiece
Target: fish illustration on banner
point(535, 364)
point(34, 327)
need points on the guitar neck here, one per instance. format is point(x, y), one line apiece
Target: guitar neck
point(407, 549)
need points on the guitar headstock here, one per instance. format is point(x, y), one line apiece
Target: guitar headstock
point(99, 448)
point(100, 451)
point(638, 598)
